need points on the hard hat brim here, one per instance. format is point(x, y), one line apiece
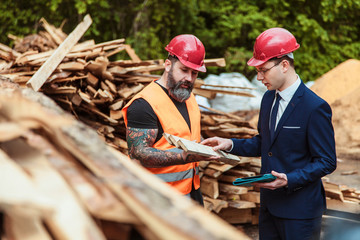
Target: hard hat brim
point(193, 66)
point(256, 62)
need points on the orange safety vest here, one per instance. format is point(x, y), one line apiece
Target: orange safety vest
point(182, 176)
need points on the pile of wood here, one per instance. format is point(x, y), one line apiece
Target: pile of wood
point(235, 204)
point(240, 205)
point(60, 180)
point(340, 197)
point(82, 80)
point(226, 125)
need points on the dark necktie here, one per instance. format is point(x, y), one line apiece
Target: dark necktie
point(273, 116)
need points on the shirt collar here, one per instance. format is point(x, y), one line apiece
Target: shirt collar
point(289, 92)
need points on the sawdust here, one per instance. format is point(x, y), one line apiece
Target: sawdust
point(340, 87)
point(346, 121)
point(339, 81)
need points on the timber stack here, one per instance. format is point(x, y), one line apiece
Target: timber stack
point(60, 180)
point(93, 88)
point(78, 187)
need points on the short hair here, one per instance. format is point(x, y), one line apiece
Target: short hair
point(173, 58)
point(277, 60)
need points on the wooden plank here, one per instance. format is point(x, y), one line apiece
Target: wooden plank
point(255, 216)
point(28, 227)
point(227, 178)
point(97, 198)
point(203, 150)
point(50, 29)
point(212, 173)
point(220, 167)
point(241, 204)
point(334, 194)
point(70, 220)
point(40, 77)
point(111, 86)
point(9, 50)
point(333, 190)
point(251, 196)
point(255, 162)
point(204, 93)
point(223, 86)
point(145, 69)
point(125, 92)
point(215, 62)
point(71, 66)
point(228, 188)
point(116, 114)
point(132, 53)
point(99, 113)
point(92, 80)
point(19, 191)
point(209, 187)
point(215, 204)
point(345, 206)
point(223, 113)
point(240, 173)
point(236, 216)
point(211, 90)
point(256, 170)
point(117, 105)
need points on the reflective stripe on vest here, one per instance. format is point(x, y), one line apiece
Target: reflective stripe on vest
point(177, 176)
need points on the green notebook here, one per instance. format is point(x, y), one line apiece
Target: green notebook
point(246, 181)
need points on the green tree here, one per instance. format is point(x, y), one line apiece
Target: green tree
point(327, 30)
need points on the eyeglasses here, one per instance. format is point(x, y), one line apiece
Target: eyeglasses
point(262, 72)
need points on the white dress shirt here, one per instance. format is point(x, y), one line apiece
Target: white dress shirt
point(286, 96)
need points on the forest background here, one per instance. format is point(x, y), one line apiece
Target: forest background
point(327, 30)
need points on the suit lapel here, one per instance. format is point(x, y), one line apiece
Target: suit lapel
point(290, 108)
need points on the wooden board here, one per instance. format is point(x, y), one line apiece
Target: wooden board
point(241, 204)
point(209, 187)
point(345, 206)
point(203, 150)
point(236, 216)
point(69, 220)
point(39, 78)
point(25, 227)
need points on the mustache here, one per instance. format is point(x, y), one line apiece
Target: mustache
point(185, 83)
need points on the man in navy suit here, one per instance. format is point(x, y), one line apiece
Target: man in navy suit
point(295, 141)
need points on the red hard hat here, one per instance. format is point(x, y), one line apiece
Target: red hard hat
point(273, 42)
point(189, 50)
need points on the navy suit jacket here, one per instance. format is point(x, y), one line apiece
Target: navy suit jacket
point(303, 148)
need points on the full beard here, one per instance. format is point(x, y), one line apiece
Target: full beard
point(176, 90)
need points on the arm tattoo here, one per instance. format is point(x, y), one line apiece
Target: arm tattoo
point(140, 142)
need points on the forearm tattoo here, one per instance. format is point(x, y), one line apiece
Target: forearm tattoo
point(140, 142)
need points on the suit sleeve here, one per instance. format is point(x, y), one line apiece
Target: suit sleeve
point(247, 147)
point(321, 147)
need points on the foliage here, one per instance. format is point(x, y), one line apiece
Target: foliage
point(327, 30)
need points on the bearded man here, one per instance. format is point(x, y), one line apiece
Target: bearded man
point(168, 105)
